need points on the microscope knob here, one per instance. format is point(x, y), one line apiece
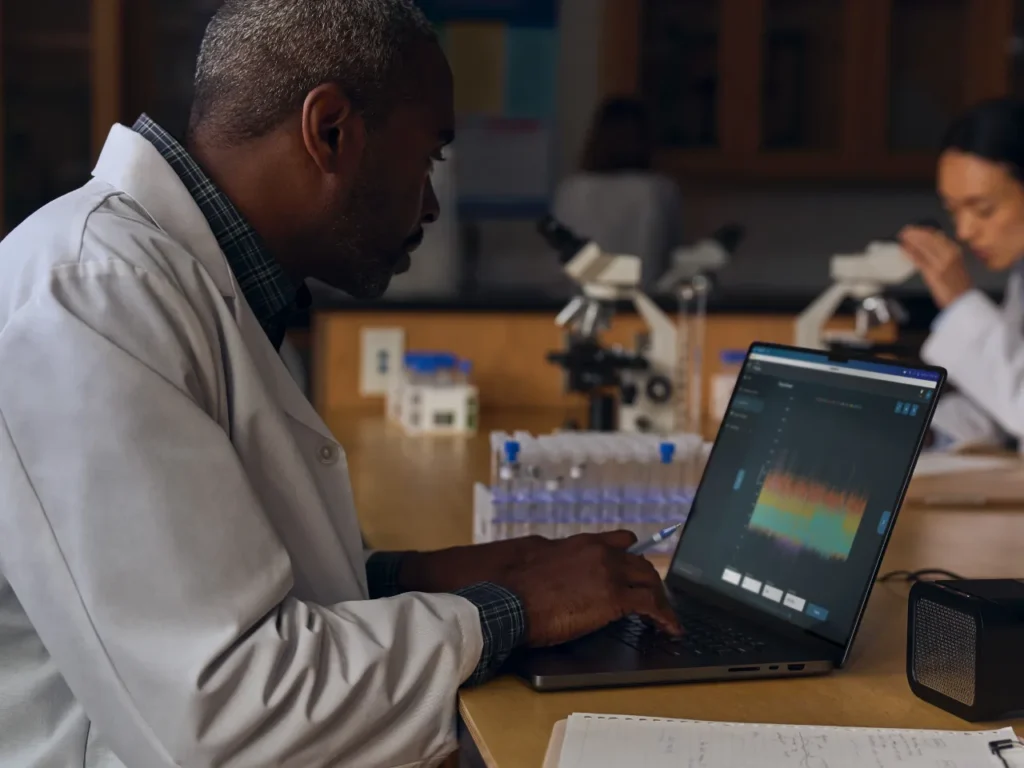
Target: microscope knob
point(629, 394)
point(643, 424)
point(659, 389)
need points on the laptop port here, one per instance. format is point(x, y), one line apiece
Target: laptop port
point(744, 669)
point(796, 667)
point(773, 667)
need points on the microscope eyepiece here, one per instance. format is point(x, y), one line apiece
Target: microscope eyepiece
point(561, 238)
point(729, 237)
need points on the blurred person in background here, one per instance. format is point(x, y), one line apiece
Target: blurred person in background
point(981, 344)
point(616, 198)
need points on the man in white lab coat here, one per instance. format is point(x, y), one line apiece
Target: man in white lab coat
point(182, 577)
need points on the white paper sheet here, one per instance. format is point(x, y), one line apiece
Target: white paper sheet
point(611, 741)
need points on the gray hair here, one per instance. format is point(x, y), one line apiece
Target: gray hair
point(260, 58)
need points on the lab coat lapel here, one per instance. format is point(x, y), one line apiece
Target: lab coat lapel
point(274, 372)
point(130, 163)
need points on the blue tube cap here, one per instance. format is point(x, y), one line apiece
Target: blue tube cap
point(667, 452)
point(512, 450)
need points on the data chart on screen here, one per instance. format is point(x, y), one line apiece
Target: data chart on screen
point(799, 494)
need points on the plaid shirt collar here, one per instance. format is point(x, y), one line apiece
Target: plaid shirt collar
point(272, 296)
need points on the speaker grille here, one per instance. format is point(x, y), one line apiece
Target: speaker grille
point(945, 650)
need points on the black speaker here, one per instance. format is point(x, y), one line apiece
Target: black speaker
point(965, 646)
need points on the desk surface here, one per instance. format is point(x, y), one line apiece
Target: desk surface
point(416, 493)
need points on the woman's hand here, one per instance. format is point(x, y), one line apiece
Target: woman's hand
point(940, 261)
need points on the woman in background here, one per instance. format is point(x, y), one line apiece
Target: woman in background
point(981, 183)
point(616, 199)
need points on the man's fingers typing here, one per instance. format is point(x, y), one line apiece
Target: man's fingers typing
point(653, 606)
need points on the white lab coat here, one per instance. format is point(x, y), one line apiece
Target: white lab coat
point(182, 576)
point(982, 346)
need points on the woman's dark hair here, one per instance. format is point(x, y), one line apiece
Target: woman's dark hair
point(620, 138)
point(994, 131)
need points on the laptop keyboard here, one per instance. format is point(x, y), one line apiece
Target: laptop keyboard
point(704, 635)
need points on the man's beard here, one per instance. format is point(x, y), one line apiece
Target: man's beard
point(364, 269)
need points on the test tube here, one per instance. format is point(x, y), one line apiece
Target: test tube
point(573, 488)
point(548, 485)
point(590, 478)
point(662, 482)
point(701, 287)
point(524, 493)
point(634, 494)
point(504, 489)
point(498, 440)
point(609, 474)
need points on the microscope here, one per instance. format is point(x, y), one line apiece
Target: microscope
point(702, 259)
point(643, 383)
point(865, 278)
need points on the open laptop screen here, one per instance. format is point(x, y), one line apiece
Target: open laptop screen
point(809, 466)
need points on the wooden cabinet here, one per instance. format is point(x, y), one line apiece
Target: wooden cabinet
point(59, 95)
point(1017, 50)
point(163, 45)
point(844, 89)
point(682, 39)
point(70, 69)
point(801, 81)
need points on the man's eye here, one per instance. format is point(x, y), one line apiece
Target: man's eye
point(437, 157)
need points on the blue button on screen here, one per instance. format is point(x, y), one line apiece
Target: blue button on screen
point(739, 479)
point(817, 612)
point(884, 522)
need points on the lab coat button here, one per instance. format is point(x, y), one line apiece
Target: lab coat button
point(328, 454)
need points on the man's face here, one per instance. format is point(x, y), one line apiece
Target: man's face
point(378, 222)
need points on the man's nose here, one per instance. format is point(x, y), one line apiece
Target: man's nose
point(431, 207)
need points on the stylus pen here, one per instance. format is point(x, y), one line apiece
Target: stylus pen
point(642, 546)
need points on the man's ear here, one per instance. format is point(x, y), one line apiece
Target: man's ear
point(333, 131)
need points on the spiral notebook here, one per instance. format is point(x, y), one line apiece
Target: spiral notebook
point(613, 741)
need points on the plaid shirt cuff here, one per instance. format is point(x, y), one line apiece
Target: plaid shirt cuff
point(382, 569)
point(502, 624)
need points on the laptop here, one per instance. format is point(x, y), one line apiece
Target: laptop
point(773, 569)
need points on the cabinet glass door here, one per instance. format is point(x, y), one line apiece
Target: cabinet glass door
point(928, 66)
point(46, 95)
point(679, 71)
point(1016, 50)
point(802, 74)
point(164, 38)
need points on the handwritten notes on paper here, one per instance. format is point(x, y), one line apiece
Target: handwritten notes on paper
point(610, 741)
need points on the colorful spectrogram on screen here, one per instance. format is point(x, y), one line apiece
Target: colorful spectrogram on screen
point(807, 515)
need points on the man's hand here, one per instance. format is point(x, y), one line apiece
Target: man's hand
point(575, 586)
point(447, 570)
point(941, 262)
